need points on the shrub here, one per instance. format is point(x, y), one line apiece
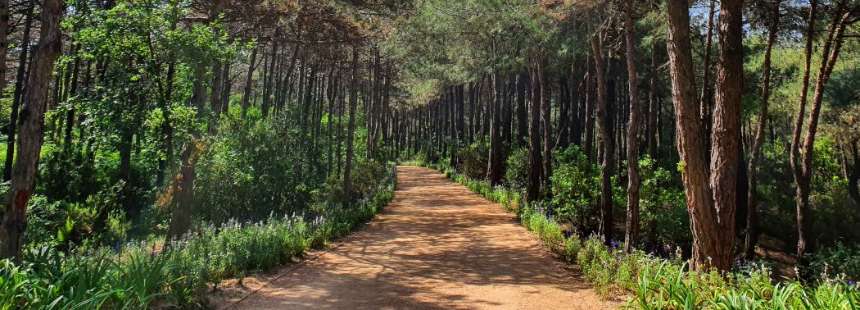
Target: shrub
point(663, 211)
point(472, 160)
point(575, 187)
point(517, 173)
point(836, 261)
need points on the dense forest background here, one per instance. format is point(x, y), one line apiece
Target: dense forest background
point(724, 133)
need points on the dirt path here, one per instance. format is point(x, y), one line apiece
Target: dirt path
point(436, 246)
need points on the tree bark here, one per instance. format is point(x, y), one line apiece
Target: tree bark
point(706, 98)
point(353, 104)
point(652, 132)
point(607, 140)
point(588, 115)
point(522, 109)
point(710, 204)
point(18, 94)
point(632, 225)
point(803, 168)
point(726, 132)
point(535, 171)
point(494, 169)
point(548, 142)
point(751, 234)
point(14, 220)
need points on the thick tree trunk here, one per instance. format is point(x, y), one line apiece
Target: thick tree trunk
point(711, 204)
point(726, 132)
point(632, 225)
point(751, 234)
point(535, 171)
point(14, 220)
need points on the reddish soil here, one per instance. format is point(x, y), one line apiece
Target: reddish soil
point(436, 246)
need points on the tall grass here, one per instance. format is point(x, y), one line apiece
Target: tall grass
point(176, 274)
point(660, 283)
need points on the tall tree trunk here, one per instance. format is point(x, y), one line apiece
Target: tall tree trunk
point(494, 169)
point(607, 141)
point(632, 225)
point(588, 145)
point(803, 168)
point(713, 228)
point(751, 235)
point(546, 122)
point(802, 190)
point(353, 104)
point(18, 94)
point(535, 171)
point(653, 107)
point(726, 149)
point(14, 220)
point(522, 109)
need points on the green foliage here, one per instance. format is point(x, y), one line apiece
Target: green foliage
point(472, 160)
point(838, 261)
point(658, 283)
point(516, 172)
point(176, 274)
point(663, 212)
point(252, 170)
point(575, 187)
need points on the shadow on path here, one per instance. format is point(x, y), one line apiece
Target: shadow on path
point(436, 246)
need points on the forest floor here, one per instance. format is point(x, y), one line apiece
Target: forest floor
point(436, 246)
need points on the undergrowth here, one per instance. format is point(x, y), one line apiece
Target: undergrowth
point(179, 273)
point(661, 283)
